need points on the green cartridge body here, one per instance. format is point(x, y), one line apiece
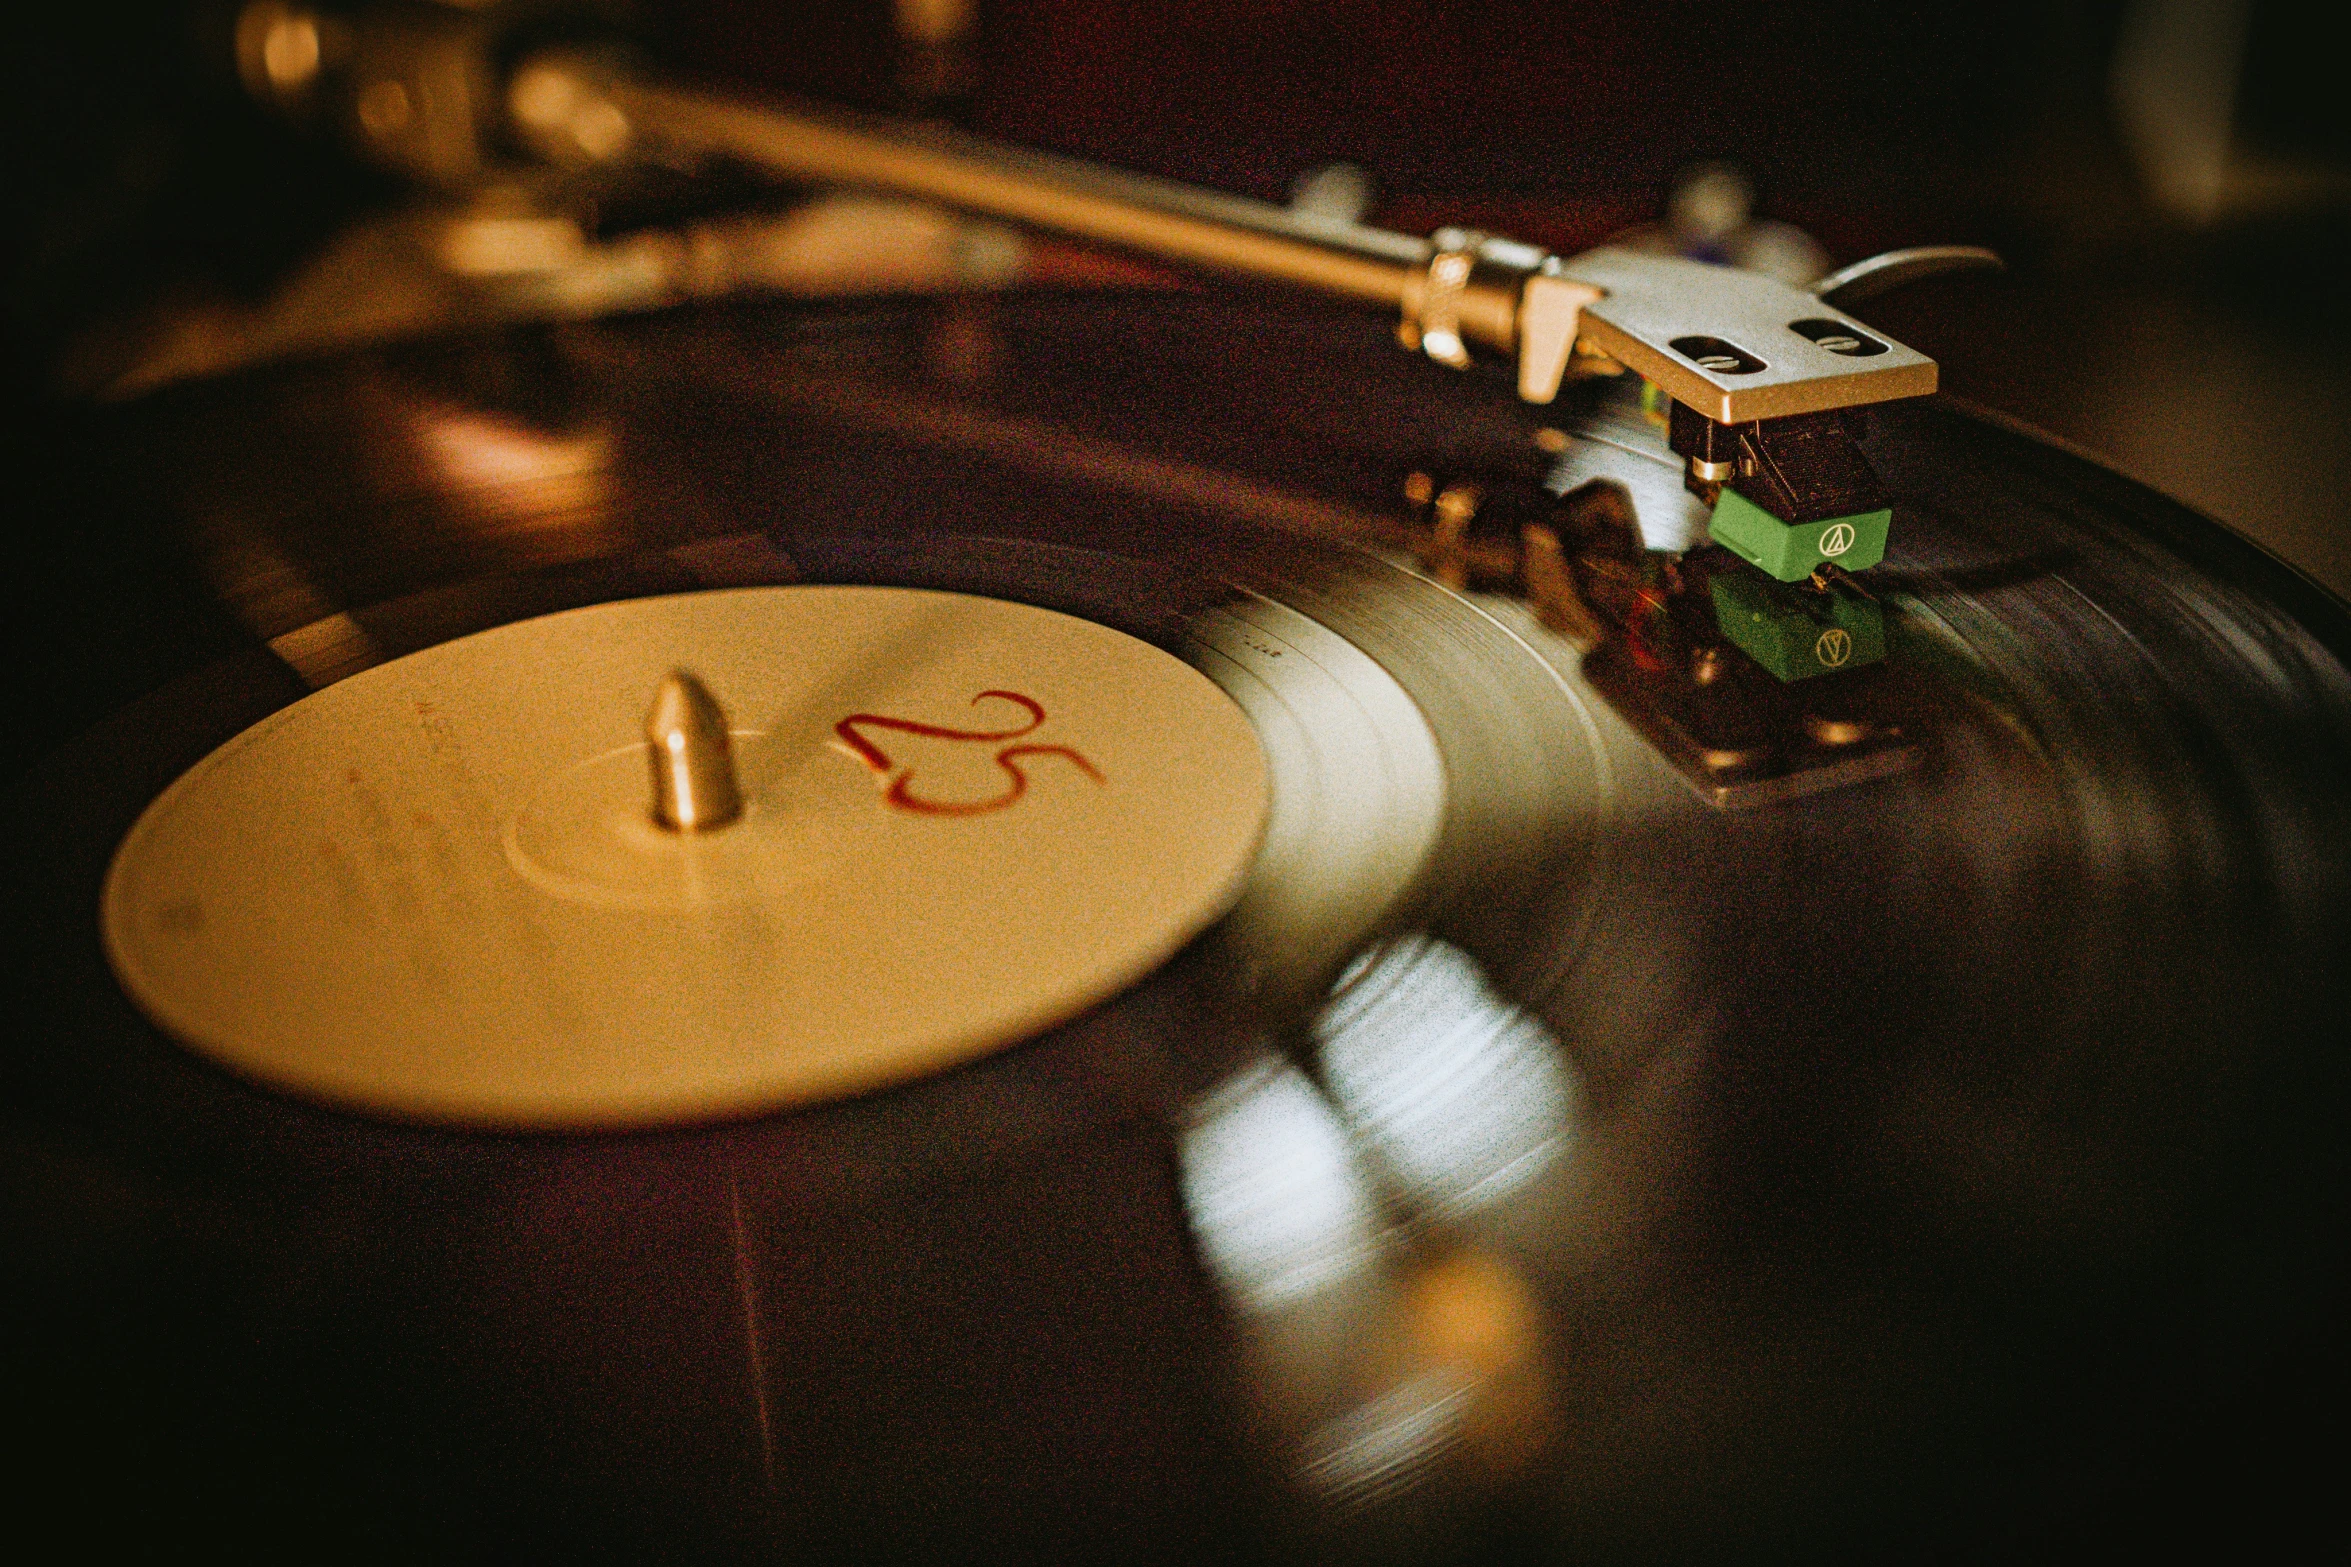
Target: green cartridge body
point(1793, 551)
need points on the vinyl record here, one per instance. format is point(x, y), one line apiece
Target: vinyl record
point(1665, 1091)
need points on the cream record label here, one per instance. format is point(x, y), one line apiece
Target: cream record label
point(436, 890)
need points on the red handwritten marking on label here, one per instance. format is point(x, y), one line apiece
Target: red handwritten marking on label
point(901, 791)
point(872, 755)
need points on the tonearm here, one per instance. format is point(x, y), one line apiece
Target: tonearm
point(1763, 376)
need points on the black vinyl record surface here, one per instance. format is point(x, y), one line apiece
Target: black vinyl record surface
point(1939, 1156)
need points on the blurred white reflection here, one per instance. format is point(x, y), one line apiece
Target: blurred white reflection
point(1276, 1200)
point(1378, 1449)
point(1463, 1095)
point(1392, 1351)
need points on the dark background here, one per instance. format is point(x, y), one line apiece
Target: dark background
point(2203, 351)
